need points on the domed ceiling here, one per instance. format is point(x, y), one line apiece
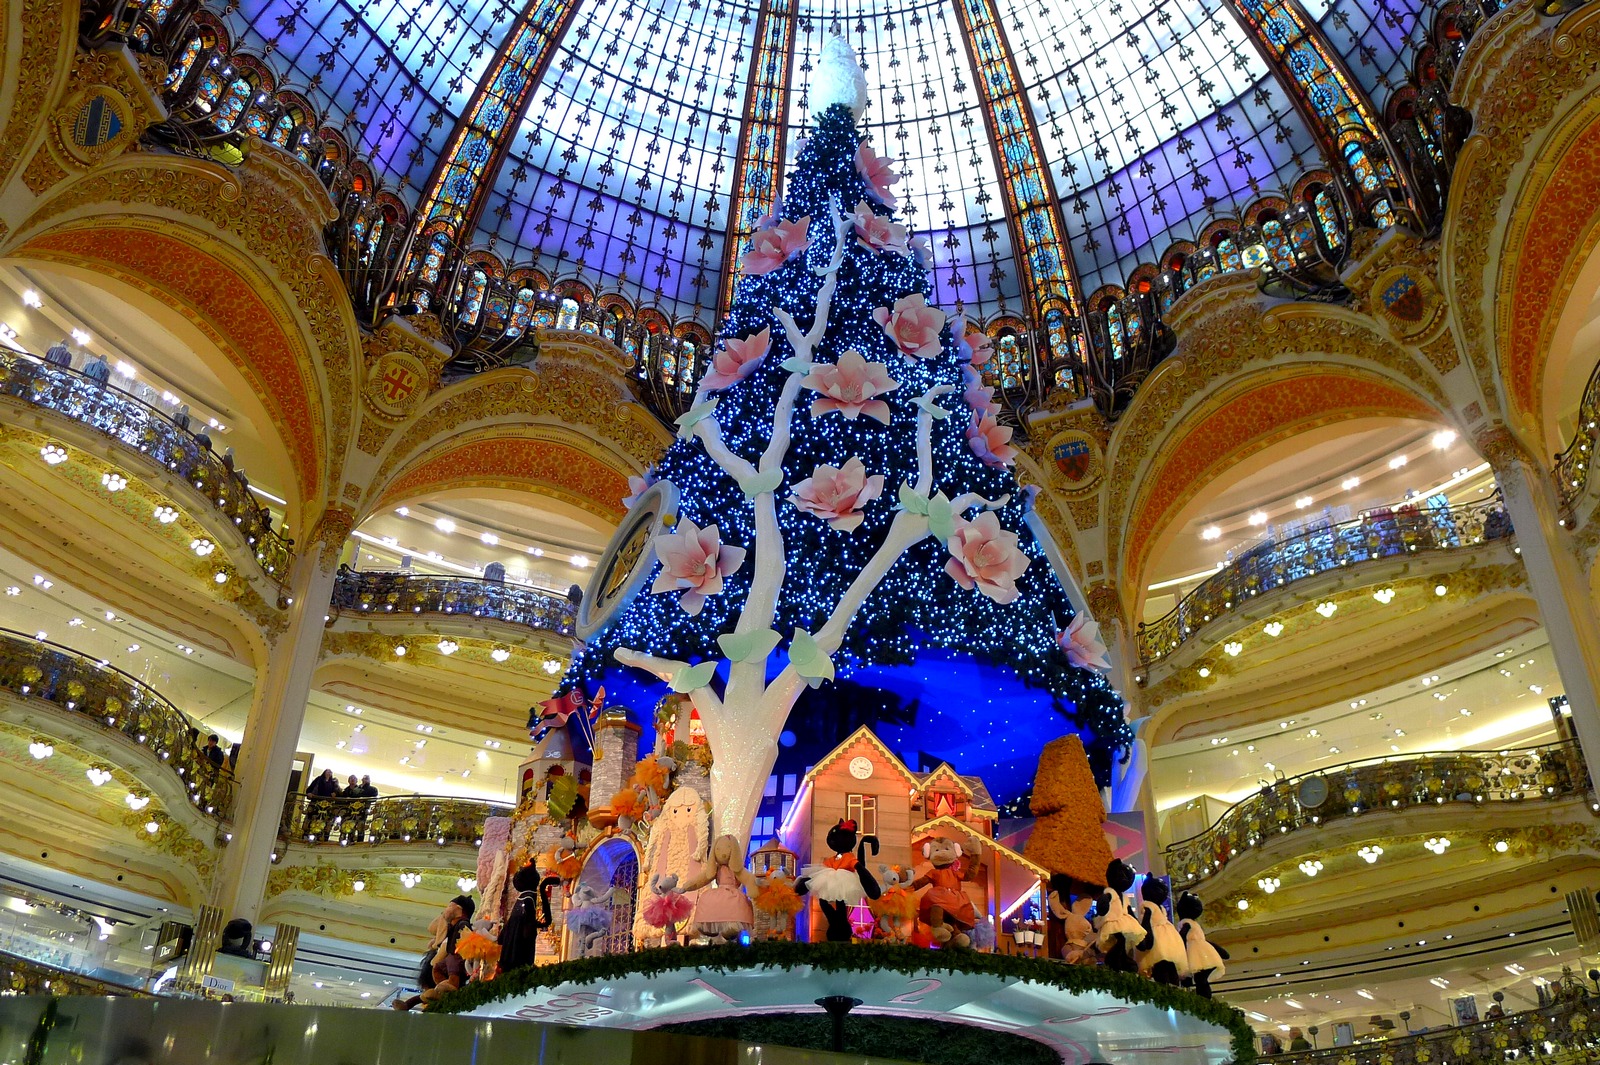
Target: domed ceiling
point(654, 123)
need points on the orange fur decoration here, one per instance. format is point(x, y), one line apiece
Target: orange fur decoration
point(778, 896)
point(474, 947)
point(650, 774)
point(897, 904)
point(627, 803)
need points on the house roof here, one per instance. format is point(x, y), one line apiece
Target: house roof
point(862, 734)
point(932, 827)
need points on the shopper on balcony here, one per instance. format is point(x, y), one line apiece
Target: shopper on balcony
point(58, 354)
point(213, 752)
point(324, 787)
point(98, 370)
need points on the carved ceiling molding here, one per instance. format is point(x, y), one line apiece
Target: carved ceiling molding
point(47, 40)
point(1517, 76)
point(267, 211)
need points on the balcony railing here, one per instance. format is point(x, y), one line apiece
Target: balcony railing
point(1461, 778)
point(152, 433)
point(379, 594)
point(110, 699)
point(1565, 1031)
point(1572, 465)
point(1379, 534)
point(419, 819)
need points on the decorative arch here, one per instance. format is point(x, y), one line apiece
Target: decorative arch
point(1554, 228)
point(491, 459)
point(1261, 409)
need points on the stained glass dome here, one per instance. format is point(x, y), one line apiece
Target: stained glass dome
point(626, 143)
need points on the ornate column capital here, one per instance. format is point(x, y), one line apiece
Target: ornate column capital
point(1105, 603)
point(1500, 446)
point(332, 530)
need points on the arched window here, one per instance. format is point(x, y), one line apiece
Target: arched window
point(1119, 346)
point(1059, 338)
point(1228, 257)
point(1277, 244)
point(472, 296)
point(1327, 219)
point(282, 130)
point(232, 105)
point(1008, 351)
point(1207, 269)
point(618, 329)
point(1254, 255)
point(184, 63)
point(374, 238)
point(521, 312)
point(687, 365)
point(1356, 156)
point(544, 318)
point(210, 91)
point(568, 317)
point(157, 10)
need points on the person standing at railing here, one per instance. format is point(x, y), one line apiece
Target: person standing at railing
point(322, 791)
point(98, 370)
point(212, 752)
point(58, 354)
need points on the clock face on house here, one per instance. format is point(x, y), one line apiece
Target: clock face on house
point(861, 767)
point(628, 558)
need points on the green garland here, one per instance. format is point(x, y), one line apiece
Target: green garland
point(919, 1039)
point(857, 957)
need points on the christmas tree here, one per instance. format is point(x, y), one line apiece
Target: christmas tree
point(840, 494)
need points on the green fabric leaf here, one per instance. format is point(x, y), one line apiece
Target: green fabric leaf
point(689, 678)
point(795, 364)
point(808, 659)
point(761, 482)
point(941, 518)
point(929, 403)
point(912, 501)
point(694, 415)
point(748, 646)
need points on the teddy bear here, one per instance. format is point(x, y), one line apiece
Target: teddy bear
point(723, 911)
point(843, 880)
point(945, 907)
point(896, 908)
point(1118, 930)
point(1205, 957)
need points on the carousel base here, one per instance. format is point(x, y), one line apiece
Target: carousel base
point(1082, 1015)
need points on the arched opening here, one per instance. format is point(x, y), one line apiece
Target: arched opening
point(1572, 357)
point(604, 898)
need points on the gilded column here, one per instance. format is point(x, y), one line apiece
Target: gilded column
point(272, 732)
point(1555, 577)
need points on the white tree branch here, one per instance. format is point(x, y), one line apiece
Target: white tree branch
point(905, 530)
point(924, 482)
point(973, 499)
point(666, 669)
point(710, 433)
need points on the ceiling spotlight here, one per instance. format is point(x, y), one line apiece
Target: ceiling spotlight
point(31, 298)
point(1501, 846)
point(54, 454)
point(552, 666)
point(136, 801)
point(42, 581)
point(489, 538)
point(1397, 462)
point(1211, 532)
point(1370, 854)
point(1311, 867)
point(1244, 904)
point(448, 646)
point(1384, 595)
point(152, 827)
point(444, 525)
point(97, 775)
point(1233, 647)
point(81, 337)
point(580, 561)
point(1272, 628)
point(1444, 438)
point(410, 880)
point(41, 749)
point(500, 653)
point(202, 547)
point(221, 577)
point(467, 884)
point(1204, 671)
point(1303, 502)
point(358, 885)
point(1437, 844)
point(1440, 589)
point(164, 514)
point(400, 650)
point(1350, 482)
point(1327, 607)
point(127, 369)
point(113, 481)
point(1258, 518)
point(1269, 884)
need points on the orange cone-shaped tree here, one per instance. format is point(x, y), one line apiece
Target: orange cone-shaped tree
point(1068, 837)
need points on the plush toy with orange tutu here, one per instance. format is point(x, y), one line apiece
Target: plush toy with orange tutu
point(776, 897)
point(627, 806)
point(564, 861)
point(480, 952)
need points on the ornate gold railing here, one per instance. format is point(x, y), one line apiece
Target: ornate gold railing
point(404, 593)
point(435, 819)
point(19, 976)
point(152, 433)
point(1463, 778)
point(1565, 1031)
point(108, 698)
point(1572, 465)
point(1380, 534)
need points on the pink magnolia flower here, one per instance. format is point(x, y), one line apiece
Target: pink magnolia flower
point(1083, 645)
point(694, 559)
point(971, 342)
point(985, 556)
point(990, 440)
point(737, 359)
point(638, 485)
point(770, 248)
point(981, 398)
point(837, 494)
point(922, 250)
point(877, 231)
point(851, 387)
point(874, 169)
point(912, 325)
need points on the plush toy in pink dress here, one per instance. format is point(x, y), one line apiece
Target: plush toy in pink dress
point(723, 911)
point(667, 907)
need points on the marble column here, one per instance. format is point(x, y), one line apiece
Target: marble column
point(272, 732)
point(1556, 579)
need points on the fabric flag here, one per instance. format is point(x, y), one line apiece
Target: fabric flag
point(555, 712)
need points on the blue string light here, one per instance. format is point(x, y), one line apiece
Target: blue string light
point(917, 605)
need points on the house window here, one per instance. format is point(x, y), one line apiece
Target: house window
point(863, 810)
